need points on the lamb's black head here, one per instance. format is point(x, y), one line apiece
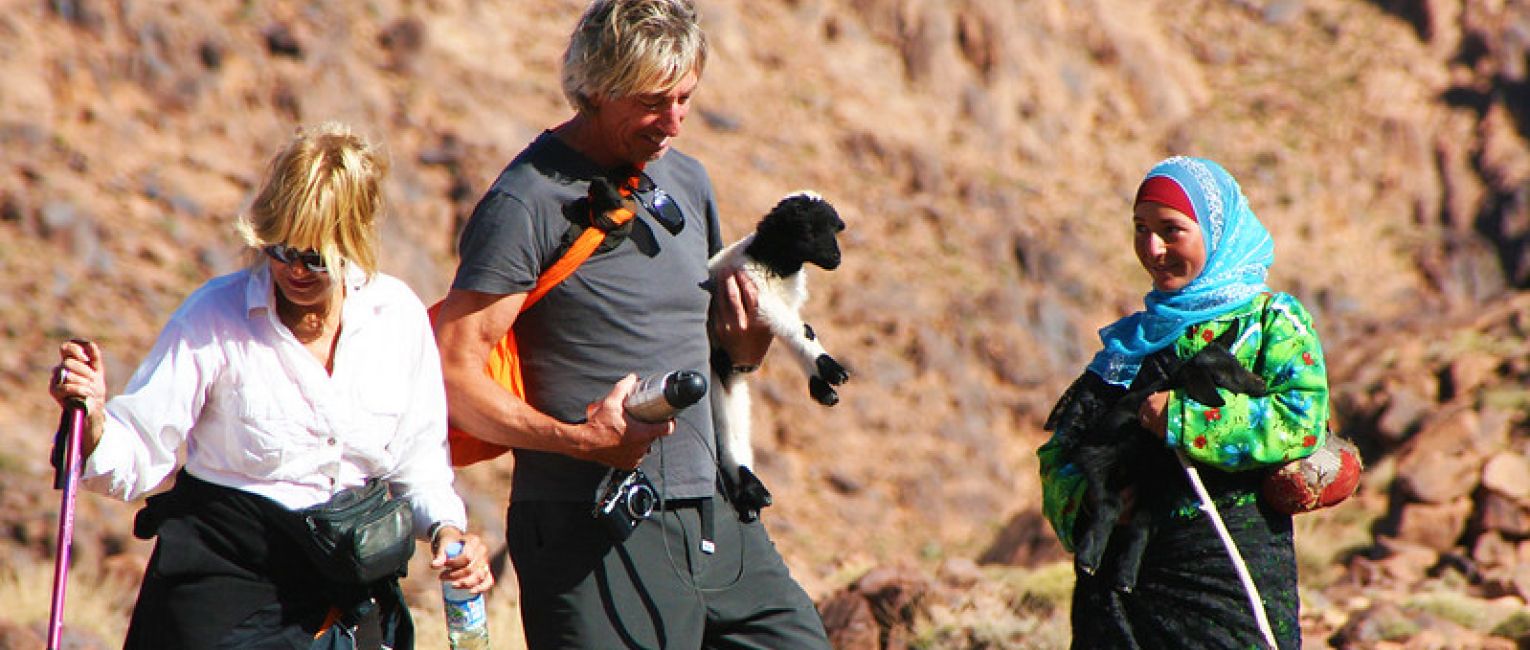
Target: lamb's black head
point(801, 229)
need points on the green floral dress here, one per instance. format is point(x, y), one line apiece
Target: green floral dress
point(1232, 445)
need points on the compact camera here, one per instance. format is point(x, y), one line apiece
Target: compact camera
point(626, 498)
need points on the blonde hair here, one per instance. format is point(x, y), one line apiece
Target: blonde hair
point(622, 48)
point(321, 191)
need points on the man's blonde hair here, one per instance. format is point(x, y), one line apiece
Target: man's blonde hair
point(622, 48)
point(322, 191)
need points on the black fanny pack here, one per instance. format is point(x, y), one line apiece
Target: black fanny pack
point(360, 536)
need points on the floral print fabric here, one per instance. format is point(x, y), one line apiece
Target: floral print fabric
point(1277, 341)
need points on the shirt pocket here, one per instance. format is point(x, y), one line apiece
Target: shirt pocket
point(274, 440)
point(380, 408)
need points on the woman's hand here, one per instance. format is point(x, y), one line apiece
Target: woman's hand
point(1152, 415)
point(80, 376)
point(470, 569)
point(736, 320)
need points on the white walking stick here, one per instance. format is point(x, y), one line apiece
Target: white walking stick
point(1210, 507)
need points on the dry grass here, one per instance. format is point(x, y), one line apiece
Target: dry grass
point(1011, 608)
point(1325, 537)
point(94, 604)
point(99, 607)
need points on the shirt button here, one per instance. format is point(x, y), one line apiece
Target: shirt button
point(332, 481)
point(331, 442)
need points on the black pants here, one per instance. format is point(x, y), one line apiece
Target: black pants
point(225, 573)
point(657, 589)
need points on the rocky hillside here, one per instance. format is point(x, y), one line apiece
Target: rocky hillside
point(983, 154)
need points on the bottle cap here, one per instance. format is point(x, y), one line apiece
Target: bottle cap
point(685, 387)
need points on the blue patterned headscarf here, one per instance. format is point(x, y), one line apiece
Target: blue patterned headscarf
point(1239, 252)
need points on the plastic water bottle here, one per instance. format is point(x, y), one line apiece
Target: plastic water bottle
point(467, 623)
point(658, 398)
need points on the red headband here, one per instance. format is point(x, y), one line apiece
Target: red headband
point(1165, 191)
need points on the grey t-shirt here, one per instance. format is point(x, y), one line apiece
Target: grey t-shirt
point(639, 307)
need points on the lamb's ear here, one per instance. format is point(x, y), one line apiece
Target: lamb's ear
point(1200, 386)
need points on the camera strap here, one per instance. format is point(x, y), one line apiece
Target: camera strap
point(708, 526)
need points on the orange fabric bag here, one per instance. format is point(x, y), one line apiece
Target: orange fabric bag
point(504, 364)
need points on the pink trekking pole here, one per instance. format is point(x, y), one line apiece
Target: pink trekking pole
point(65, 477)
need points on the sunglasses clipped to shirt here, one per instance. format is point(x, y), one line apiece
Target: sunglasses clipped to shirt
point(289, 255)
point(659, 204)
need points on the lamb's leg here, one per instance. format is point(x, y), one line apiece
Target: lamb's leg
point(1104, 508)
point(822, 370)
point(1129, 564)
point(735, 451)
point(730, 403)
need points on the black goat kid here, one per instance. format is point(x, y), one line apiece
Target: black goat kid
point(1100, 434)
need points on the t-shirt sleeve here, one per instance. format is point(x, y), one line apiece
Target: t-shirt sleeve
point(497, 250)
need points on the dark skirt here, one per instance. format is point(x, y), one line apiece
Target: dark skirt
point(227, 572)
point(1188, 594)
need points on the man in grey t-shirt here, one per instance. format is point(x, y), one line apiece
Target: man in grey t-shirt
point(693, 575)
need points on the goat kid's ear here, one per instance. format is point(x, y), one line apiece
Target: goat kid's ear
point(1200, 386)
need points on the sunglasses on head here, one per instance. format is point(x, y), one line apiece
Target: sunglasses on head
point(659, 204)
point(288, 255)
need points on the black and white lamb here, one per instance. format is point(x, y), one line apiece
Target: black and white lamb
point(801, 229)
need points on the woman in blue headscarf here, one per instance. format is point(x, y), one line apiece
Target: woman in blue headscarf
point(1207, 255)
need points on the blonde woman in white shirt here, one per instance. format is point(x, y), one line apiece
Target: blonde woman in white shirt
point(304, 374)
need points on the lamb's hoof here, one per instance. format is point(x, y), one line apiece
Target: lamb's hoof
point(831, 371)
point(751, 495)
point(1086, 568)
point(822, 392)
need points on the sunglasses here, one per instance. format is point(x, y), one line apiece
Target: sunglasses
point(288, 255)
point(659, 204)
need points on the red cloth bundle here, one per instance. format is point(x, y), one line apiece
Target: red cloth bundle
point(1325, 478)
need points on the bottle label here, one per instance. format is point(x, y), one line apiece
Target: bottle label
point(462, 615)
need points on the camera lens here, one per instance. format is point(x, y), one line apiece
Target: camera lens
point(640, 501)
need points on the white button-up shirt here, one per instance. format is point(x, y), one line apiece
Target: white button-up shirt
point(259, 413)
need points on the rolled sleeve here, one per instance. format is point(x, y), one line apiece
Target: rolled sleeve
point(146, 424)
point(1285, 424)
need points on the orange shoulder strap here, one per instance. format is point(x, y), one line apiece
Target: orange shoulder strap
point(577, 253)
point(503, 364)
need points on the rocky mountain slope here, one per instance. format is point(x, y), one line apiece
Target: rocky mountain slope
point(983, 154)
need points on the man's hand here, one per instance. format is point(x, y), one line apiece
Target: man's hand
point(736, 320)
point(612, 438)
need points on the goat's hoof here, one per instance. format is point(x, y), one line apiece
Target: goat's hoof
point(831, 371)
point(822, 391)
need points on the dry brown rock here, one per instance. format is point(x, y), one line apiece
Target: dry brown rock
point(1405, 563)
point(1027, 540)
point(1507, 473)
point(1503, 514)
point(848, 619)
point(1472, 370)
point(1441, 463)
point(1436, 526)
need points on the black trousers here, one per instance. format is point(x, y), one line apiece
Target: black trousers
point(226, 573)
point(657, 589)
